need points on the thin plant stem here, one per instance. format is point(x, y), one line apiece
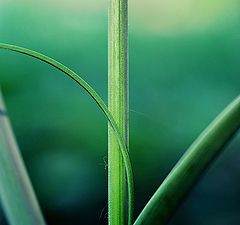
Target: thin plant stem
point(193, 163)
point(16, 192)
point(118, 106)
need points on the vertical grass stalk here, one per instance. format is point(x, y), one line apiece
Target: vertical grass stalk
point(17, 196)
point(118, 106)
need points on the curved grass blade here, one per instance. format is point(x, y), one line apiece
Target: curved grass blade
point(17, 196)
point(192, 164)
point(101, 104)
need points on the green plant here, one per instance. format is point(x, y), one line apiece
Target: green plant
point(169, 195)
point(17, 194)
point(118, 106)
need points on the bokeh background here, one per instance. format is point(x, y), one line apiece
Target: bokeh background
point(184, 69)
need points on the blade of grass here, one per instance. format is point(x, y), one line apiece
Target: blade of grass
point(16, 192)
point(98, 100)
point(192, 164)
point(118, 105)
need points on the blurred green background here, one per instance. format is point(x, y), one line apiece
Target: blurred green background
point(184, 69)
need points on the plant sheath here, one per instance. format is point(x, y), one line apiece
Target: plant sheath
point(16, 192)
point(192, 164)
point(118, 106)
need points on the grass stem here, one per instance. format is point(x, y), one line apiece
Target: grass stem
point(118, 106)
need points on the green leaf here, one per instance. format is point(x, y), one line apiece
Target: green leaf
point(193, 163)
point(16, 192)
point(98, 100)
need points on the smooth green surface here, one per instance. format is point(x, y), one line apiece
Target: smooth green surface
point(194, 162)
point(118, 106)
point(97, 99)
point(16, 192)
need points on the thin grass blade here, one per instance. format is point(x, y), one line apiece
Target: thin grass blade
point(16, 192)
point(100, 103)
point(193, 163)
